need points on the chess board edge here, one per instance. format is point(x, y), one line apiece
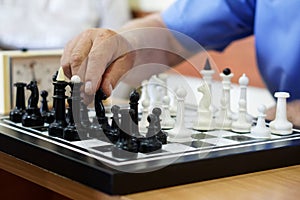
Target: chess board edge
point(93, 173)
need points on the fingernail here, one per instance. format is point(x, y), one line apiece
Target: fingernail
point(82, 94)
point(110, 89)
point(88, 87)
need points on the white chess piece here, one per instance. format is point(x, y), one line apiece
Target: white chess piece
point(173, 106)
point(224, 117)
point(167, 122)
point(75, 79)
point(280, 125)
point(261, 130)
point(242, 124)
point(180, 133)
point(144, 123)
point(207, 74)
point(205, 120)
point(164, 78)
point(144, 93)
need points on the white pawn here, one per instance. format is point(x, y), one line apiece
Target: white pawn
point(261, 130)
point(144, 93)
point(204, 119)
point(180, 133)
point(242, 124)
point(281, 126)
point(167, 122)
point(144, 123)
point(75, 79)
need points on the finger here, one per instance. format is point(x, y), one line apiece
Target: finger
point(98, 59)
point(81, 50)
point(81, 70)
point(65, 58)
point(115, 71)
point(87, 99)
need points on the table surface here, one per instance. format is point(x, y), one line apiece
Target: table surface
point(283, 183)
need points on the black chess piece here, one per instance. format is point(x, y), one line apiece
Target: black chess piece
point(56, 128)
point(44, 109)
point(100, 127)
point(133, 102)
point(70, 132)
point(161, 135)
point(76, 110)
point(150, 143)
point(54, 77)
point(100, 109)
point(32, 116)
point(127, 146)
point(226, 71)
point(16, 114)
point(84, 116)
point(114, 133)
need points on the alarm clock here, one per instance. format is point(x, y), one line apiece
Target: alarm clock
point(25, 66)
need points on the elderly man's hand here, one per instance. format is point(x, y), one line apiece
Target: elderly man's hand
point(293, 112)
point(99, 57)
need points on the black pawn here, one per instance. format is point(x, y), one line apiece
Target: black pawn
point(16, 114)
point(161, 135)
point(56, 128)
point(127, 146)
point(70, 132)
point(114, 133)
point(44, 109)
point(150, 143)
point(32, 116)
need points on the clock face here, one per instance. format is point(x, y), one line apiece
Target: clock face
point(18, 66)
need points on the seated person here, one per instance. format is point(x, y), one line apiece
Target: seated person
point(45, 24)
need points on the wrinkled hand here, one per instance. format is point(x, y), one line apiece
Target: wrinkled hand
point(293, 112)
point(99, 57)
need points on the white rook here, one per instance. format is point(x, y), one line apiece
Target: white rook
point(280, 125)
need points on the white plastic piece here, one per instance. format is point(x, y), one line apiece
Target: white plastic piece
point(205, 120)
point(242, 124)
point(75, 79)
point(261, 130)
point(167, 122)
point(280, 125)
point(180, 133)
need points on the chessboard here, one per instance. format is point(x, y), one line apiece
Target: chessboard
point(116, 153)
point(209, 155)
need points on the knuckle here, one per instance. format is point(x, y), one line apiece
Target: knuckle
point(76, 59)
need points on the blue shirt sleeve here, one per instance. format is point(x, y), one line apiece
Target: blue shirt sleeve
point(214, 23)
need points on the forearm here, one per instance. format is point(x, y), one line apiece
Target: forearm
point(152, 41)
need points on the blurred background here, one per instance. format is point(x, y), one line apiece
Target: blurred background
point(50, 24)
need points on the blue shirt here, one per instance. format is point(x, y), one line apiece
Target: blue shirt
point(275, 23)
